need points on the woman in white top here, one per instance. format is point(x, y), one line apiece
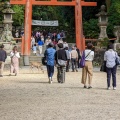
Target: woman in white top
point(111, 68)
point(88, 68)
point(14, 67)
point(32, 41)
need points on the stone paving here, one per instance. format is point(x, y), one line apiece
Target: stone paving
point(29, 96)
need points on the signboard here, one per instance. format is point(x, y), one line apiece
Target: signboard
point(45, 23)
point(17, 1)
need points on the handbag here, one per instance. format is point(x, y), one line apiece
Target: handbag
point(44, 61)
point(82, 61)
point(117, 60)
point(103, 67)
point(61, 63)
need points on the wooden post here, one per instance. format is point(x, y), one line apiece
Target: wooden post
point(22, 46)
point(80, 41)
point(78, 24)
point(27, 32)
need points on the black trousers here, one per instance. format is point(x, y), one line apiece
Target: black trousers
point(67, 66)
point(74, 64)
point(111, 71)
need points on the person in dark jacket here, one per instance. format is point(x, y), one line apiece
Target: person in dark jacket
point(3, 56)
point(61, 55)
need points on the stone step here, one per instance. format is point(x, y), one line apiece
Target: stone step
point(35, 58)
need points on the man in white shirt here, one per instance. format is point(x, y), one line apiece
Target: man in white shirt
point(74, 59)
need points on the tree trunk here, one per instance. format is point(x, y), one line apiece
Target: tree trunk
point(108, 3)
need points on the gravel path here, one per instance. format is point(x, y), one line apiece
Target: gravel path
point(28, 96)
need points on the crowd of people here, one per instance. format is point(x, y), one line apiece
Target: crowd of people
point(62, 57)
point(43, 38)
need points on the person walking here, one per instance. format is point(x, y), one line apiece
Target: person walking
point(3, 56)
point(34, 48)
point(47, 41)
point(32, 41)
point(61, 60)
point(68, 59)
point(111, 67)
point(50, 57)
point(17, 35)
point(88, 68)
point(79, 56)
point(14, 66)
point(40, 45)
point(74, 59)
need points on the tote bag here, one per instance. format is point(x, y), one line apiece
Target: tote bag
point(117, 60)
point(82, 61)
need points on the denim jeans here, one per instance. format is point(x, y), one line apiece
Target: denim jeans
point(50, 70)
point(111, 71)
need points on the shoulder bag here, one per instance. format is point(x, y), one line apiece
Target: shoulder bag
point(117, 60)
point(82, 61)
point(60, 62)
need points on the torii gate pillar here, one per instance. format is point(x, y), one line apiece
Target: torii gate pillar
point(27, 32)
point(78, 25)
point(80, 41)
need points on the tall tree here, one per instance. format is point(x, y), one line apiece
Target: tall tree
point(114, 16)
point(108, 4)
point(18, 17)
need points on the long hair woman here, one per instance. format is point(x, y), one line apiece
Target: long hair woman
point(14, 67)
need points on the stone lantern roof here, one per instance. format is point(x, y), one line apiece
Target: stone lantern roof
point(8, 9)
point(103, 16)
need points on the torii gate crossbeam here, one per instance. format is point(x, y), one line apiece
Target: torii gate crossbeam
point(80, 42)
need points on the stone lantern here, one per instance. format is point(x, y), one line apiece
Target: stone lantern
point(7, 38)
point(7, 24)
point(102, 22)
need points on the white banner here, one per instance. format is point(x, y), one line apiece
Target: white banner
point(45, 23)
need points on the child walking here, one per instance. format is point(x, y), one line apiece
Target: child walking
point(34, 49)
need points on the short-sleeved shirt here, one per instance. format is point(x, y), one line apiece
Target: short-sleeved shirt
point(89, 55)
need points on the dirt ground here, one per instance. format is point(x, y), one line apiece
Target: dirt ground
point(29, 96)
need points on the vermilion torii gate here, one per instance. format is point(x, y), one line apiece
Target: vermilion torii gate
point(80, 41)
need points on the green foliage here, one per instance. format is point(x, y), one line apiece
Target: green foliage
point(66, 17)
point(91, 28)
point(114, 16)
point(104, 42)
point(18, 17)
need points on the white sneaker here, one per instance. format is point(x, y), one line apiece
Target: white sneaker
point(108, 88)
point(114, 88)
point(50, 80)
